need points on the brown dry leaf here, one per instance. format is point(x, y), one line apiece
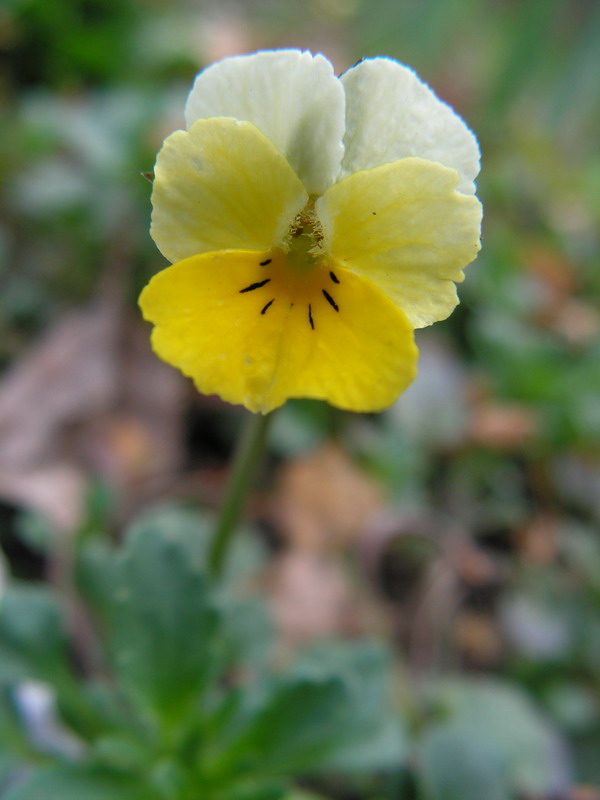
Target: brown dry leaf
point(66, 377)
point(89, 398)
point(425, 624)
point(554, 274)
point(323, 501)
point(385, 527)
point(478, 639)
point(503, 426)
point(221, 32)
point(538, 540)
point(584, 793)
point(138, 443)
point(571, 317)
point(577, 321)
point(470, 563)
point(56, 492)
point(311, 597)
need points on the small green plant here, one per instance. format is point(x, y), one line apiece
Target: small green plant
point(186, 700)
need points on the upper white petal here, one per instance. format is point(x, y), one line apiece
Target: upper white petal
point(293, 97)
point(392, 114)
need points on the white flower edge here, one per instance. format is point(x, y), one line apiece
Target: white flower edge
point(379, 111)
point(292, 97)
point(391, 114)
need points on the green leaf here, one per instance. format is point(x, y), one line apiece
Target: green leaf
point(32, 636)
point(95, 574)
point(33, 645)
point(14, 746)
point(119, 750)
point(273, 790)
point(298, 721)
point(10, 765)
point(172, 631)
point(163, 617)
point(247, 633)
point(76, 783)
point(456, 764)
point(34, 530)
point(372, 736)
point(332, 710)
point(494, 739)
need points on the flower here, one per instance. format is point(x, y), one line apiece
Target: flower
point(314, 222)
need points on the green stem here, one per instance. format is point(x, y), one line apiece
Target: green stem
point(245, 463)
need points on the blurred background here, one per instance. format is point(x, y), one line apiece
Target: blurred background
point(462, 526)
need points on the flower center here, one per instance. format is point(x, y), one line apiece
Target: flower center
point(298, 275)
point(303, 244)
point(308, 287)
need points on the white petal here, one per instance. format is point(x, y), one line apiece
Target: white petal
point(294, 98)
point(392, 114)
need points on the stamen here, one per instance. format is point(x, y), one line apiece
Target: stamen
point(264, 311)
point(330, 300)
point(264, 263)
point(254, 286)
point(310, 318)
point(334, 277)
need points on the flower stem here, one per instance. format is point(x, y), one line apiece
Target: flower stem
point(245, 463)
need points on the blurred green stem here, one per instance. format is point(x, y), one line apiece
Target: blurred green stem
point(246, 462)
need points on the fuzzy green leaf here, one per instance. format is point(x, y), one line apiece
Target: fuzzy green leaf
point(163, 618)
point(77, 783)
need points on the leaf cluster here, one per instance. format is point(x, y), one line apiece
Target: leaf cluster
point(186, 699)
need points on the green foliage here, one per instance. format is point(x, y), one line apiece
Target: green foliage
point(32, 635)
point(457, 765)
point(185, 703)
point(163, 623)
point(189, 705)
point(69, 783)
point(488, 741)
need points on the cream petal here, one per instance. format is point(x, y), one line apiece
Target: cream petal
point(222, 185)
point(392, 114)
point(405, 227)
point(291, 96)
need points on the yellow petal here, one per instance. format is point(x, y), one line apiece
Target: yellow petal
point(258, 334)
point(222, 185)
point(405, 227)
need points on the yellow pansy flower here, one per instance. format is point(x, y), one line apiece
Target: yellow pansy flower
point(314, 222)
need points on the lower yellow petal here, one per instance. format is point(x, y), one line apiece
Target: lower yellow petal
point(405, 227)
point(255, 330)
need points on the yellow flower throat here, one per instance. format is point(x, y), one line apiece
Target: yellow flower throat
point(299, 272)
point(304, 242)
